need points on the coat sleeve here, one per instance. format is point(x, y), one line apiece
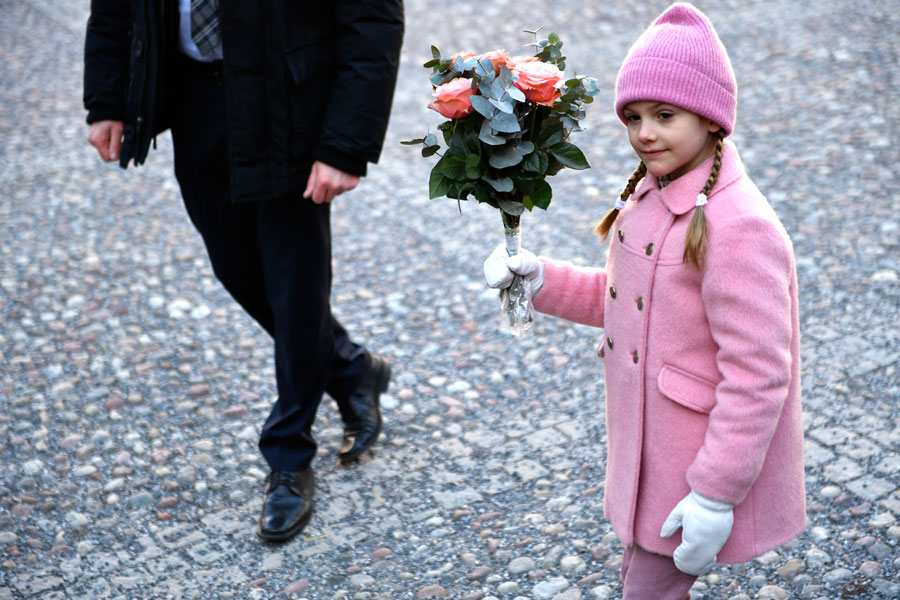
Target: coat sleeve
point(572, 293)
point(747, 289)
point(106, 57)
point(370, 35)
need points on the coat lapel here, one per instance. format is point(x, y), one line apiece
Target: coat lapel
point(680, 196)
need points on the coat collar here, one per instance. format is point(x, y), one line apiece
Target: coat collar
point(680, 196)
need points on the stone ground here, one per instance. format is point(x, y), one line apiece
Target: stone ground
point(132, 389)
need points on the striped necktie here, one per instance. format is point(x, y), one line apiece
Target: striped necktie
point(205, 24)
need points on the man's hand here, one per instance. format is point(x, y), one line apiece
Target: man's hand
point(106, 137)
point(326, 182)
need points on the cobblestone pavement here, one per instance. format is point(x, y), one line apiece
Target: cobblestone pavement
point(132, 389)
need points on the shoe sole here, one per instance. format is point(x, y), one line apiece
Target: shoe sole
point(289, 534)
point(384, 378)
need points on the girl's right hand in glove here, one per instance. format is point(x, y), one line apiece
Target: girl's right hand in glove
point(500, 267)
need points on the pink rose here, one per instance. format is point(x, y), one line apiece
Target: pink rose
point(539, 81)
point(497, 58)
point(453, 98)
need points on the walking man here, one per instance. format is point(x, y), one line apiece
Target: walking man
point(275, 108)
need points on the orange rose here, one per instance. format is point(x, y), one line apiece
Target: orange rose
point(497, 58)
point(539, 81)
point(453, 98)
point(512, 61)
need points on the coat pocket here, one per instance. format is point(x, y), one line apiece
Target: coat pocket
point(311, 70)
point(687, 389)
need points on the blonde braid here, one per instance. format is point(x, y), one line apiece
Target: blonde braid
point(698, 230)
point(610, 218)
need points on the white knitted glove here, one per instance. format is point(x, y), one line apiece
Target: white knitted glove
point(500, 267)
point(705, 526)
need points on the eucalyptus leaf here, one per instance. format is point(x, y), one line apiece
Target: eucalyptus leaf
point(430, 150)
point(482, 105)
point(435, 53)
point(431, 140)
point(502, 105)
point(506, 77)
point(486, 136)
point(414, 142)
point(515, 93)
point(503, 184)
point(553, 38)
point(526, 148)
point(511, 207)
point(507, 123)
point(508, 156)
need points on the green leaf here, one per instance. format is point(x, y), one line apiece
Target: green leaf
point(413, 142)
point(537, 163)
point(526, 148)
point(431, 140)
point(511, 207)
point(435, 53)
point(430, 151)
point(438, 185)
point(541, 197)
point(553, 38)
point(473, 166)
point(503, 184)
point(551, 135)
point(508, 156)
point(432, 63)
point(453, 167)
point(569, 155)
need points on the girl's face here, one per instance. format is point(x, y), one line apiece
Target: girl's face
point(668, 139)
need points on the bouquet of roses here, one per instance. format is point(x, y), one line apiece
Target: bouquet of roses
point(510, 118)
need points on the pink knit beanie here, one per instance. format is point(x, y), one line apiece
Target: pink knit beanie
point(680, 60)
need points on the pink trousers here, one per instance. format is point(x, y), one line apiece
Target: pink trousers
point(649, 576)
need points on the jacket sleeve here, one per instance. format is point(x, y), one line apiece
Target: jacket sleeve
point(572, 293)
point(106, 58)
point(747, 289)
point(370, 35)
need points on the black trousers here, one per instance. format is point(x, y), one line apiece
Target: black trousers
point(274, 258)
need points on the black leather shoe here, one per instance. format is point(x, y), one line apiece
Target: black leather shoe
point(288, 505)
point(362, 410)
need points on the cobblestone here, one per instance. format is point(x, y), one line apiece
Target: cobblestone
point(132, 387)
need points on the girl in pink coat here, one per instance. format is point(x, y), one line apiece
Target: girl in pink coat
point(701, 346)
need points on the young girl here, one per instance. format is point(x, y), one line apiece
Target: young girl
point(699, 305)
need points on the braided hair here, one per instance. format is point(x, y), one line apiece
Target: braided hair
point(698, 230)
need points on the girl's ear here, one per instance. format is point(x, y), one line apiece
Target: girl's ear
point(713, 127)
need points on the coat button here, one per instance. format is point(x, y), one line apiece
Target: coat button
point(612, 292)
point(609, 343)
point(621, 236)
point(649, 249)
point(640, 303)
point(635, 357)
point(601, 351)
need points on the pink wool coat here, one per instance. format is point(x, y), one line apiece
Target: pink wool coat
point(702, 367)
